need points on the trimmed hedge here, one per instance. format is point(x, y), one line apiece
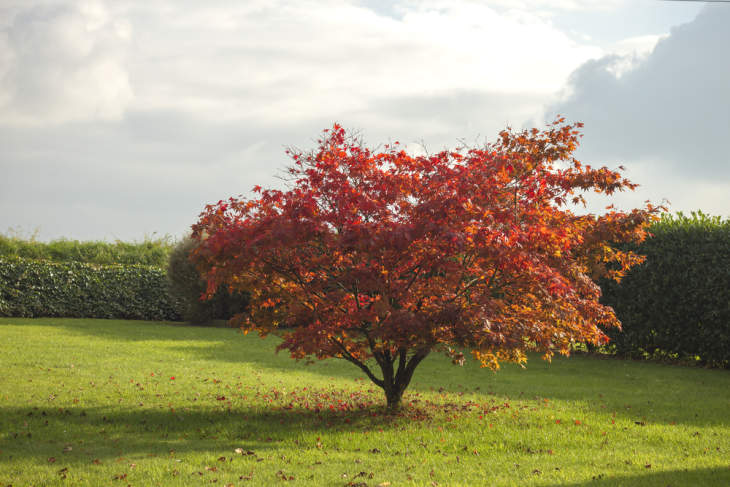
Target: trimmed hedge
point(150, 252)
point(34, 288)
point(678, 302)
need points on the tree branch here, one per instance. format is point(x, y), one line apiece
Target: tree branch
point(350, 358)
point(378, 356)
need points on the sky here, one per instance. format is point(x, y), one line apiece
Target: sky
point(122, 119)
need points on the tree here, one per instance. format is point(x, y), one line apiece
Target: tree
point(381, 257)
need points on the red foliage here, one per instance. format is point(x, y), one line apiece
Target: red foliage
point(385, 255)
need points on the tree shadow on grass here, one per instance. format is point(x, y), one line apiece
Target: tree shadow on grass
point(643, 392)
point(76, 436)
point(104, 434)
point(704, 477)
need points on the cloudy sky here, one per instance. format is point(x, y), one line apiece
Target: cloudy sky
point(121, 119)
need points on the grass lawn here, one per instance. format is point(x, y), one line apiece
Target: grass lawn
point(103, 402)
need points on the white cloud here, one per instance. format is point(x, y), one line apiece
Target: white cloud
point(636, 46)
point(629, 53)
point(557, 5)
point(63, 62)
point(283, 62)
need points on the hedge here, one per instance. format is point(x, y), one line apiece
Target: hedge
point(34, 288)
point(149, 252)
point(678, 302)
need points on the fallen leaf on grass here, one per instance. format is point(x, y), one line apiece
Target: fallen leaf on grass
point(241, 451)
point(281, 475)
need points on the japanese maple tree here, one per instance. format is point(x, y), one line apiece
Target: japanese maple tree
point(379, 257)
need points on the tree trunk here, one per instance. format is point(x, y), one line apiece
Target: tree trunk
point(395, 381)
point(394, 397)
point(394, 400)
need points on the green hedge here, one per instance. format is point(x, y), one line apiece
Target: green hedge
point(34, 288)
point(678, 302)
point(150, 252)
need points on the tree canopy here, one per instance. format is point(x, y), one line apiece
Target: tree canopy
point(379, 257)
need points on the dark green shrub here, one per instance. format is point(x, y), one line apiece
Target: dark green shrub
point(678, 302)
point(35, 288)
point(149, 252)
point(186, 288)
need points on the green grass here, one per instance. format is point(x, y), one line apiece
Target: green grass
point(93, 402)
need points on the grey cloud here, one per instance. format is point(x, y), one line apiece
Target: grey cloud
point(672, 111)
point(443, 117)
point(117, 180)
point(155, 170)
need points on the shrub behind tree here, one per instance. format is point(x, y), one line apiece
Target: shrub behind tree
point(186, 287)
